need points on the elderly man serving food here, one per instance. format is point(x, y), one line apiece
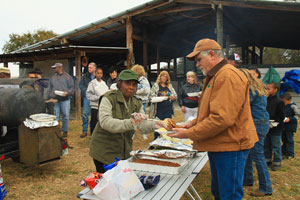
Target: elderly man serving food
point(224, 126)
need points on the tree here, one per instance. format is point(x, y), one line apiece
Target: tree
point(17, 41)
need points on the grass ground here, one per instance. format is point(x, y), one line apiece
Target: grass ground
point(60, 179)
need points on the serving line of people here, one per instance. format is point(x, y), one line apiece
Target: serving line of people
point(230, 118)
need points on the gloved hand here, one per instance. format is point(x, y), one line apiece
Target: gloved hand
point(157, 124)
point(137, 118)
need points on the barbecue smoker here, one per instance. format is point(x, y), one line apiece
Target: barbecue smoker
point(21, 143)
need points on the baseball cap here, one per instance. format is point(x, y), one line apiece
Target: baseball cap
point(4, 70)
point(235, 57)
point(127, 75)
point(202, 45)
point(56, 65)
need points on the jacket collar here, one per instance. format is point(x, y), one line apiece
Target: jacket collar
point(216, 68)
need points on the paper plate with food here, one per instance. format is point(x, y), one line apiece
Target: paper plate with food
point(158, 99)
point(193, 94)
point(163, 130)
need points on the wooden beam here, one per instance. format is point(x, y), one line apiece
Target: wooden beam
point(5, 64)
point(129, 42)
point(253, 54)
point(227, 45)
point(78, 93)
point(243, 5)
point(37, 57)
point(173, 10)
point(145, 48)
point(175, 66)
point(158, 59)
point(261, 52)
point(219, 27)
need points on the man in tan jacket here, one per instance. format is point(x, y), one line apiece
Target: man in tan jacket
point(224, 126)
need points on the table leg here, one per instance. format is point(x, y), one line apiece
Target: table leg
point(195, 192)
point(190, 195)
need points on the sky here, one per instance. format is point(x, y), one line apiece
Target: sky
point(60, 16)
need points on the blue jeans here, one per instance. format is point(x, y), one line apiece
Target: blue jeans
point(288, 143)
point(227, 174)
point(273, 145)
point(85, 115)
point(144, 107)
point(256, 154)
point(64, 107)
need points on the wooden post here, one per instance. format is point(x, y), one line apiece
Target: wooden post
point(5, 64)
point(129, 42)
point(195, 67)
point(253, 55)
point(220, 25)
point(175, 67)
point(261, 52)
point(227, 45)
point(243, 55)
point(158, 59)
point(145, 48)
point(78, 93)
point(247, 54)
point(184, 65)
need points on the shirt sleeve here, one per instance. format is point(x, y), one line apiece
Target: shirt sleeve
point(109, 123)
point(90, 93)
point(296, 115)
point(71, 86)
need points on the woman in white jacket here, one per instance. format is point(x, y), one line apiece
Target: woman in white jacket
point(95, 90)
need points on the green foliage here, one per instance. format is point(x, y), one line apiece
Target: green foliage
point(281, 56)
point(17, 41)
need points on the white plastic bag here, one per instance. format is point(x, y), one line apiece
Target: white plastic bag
point(118, 183)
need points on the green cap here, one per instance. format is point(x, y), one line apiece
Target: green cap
point(127, 75)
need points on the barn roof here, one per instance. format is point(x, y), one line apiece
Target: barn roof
point(175, 25)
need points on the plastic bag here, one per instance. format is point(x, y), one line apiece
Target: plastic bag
point(2, 186)
point(118, 183)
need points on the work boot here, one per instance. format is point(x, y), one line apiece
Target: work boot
point(82, 135)
point(259, 194)
point(65, 134)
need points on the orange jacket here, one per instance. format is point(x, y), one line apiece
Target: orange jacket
point(224, 121)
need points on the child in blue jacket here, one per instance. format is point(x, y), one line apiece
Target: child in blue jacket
point(290, 126)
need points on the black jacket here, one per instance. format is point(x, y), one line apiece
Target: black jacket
point(110, 81)
point(84, 83)
point(291, 112)
point(184, 99)
point(275, 108)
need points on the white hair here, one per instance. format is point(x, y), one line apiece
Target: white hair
point(218, 53)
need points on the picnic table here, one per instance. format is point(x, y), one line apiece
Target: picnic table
point(170, 186)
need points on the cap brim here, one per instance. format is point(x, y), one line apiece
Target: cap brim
point(129, 80)
point(192, 55)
